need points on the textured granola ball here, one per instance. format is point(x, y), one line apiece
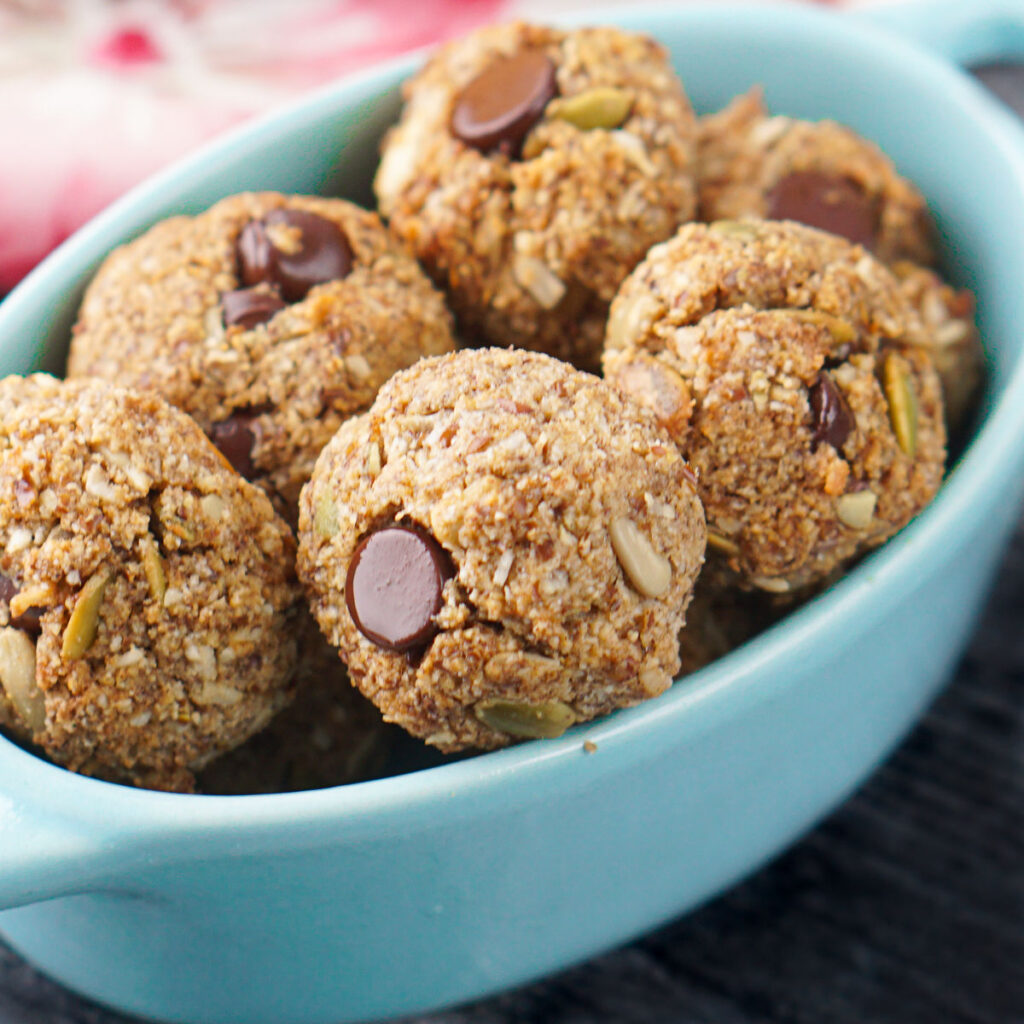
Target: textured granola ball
point(950, 337)
point(147, 596)
point(788, 367)
point(270, 319)
point(824, 174)
point(531, 169)
point(502, 546)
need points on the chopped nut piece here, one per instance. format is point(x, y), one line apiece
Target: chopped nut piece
point(373, 462)
point(213, 506)
point(325, 516)
point(735, 229)
point(18, 677)
point(772, 584)
point(85, 617)
point(516, 665)
point(213, 322)
point(648, 571)
point(216, 694)
point(98, 484)
point(841, 330)
point(19, 539)
point(538, 279)
point(173, 522)
point(526, 721)
point(359, 366)
point(658, 387)
point(653, 681)
point(759, 387)
point(899, 393)
point(628, 317)
point(722, 544)
point(604, 106)
point(635, 151)
point(857, 509)
point(503, 568)
point(153, 566)
point(38, 595)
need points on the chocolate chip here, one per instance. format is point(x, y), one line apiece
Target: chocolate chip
point(29, 619)
point(293, 250)
point(247, 307)
point(235, 439)
point(828, 202)
point(498, 107)
point(394, 585)
point(831, 416)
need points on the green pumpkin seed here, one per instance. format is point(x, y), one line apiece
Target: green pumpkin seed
point(526, 721)
point(604, 106)
point(85, 617)
point(899, 393)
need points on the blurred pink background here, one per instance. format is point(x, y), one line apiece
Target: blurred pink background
point(97, 94)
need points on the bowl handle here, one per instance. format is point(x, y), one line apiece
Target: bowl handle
point(41, 858)
point(967, 33)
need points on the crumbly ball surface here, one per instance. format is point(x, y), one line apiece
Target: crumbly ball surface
point(153, 318)
point(557, 501)
point(745, 152)
point(147, 596)
point(329, 735)
point(951, 338)
point(787, 366)
point(532, 249)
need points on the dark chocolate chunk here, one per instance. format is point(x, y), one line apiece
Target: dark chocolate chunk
point(235, 439)
point(247, 307)
point(829, 202)
point(394, 584)
point(29, 619)
point(498, 107)
point(292, 250)
point(831, 417)
point(255, 254)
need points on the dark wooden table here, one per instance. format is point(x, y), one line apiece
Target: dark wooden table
point(905, 907)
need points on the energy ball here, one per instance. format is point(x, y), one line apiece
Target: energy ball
point(147, 591)
point(951, 338)
point(502, 546)
point(268, 318)
point(819, 173)
point(531, 169)
point(787, 366)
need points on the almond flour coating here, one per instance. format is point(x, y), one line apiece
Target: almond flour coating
point(821, 173)
point(950, 336)
point(564, 528)
point(270, 391)
point(532, 233)
point(784, 362)
point(147, 598)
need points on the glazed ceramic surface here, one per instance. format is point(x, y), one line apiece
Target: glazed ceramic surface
point(442, 885)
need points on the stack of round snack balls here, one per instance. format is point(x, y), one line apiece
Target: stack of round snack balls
point(314, 471)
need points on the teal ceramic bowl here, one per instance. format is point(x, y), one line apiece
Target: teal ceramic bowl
point(442, 885)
